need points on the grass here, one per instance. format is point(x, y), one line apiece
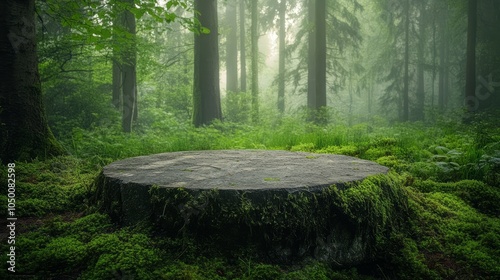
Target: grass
point(450, 173)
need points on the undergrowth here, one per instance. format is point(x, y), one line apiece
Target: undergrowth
point(450, 174)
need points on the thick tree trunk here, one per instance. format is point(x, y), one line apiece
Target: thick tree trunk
point(231, 48)
point(243, 57)
point(471, 101)
point(255, 60)
point(405, 113)
point(128, 72)
point(316, 89)
point(206, 89)
point(24, 133)
point(281, 78)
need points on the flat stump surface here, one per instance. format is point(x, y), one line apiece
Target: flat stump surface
point(241, 170)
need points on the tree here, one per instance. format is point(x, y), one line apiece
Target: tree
point(231, 48)
point(443, 58)
point(317, 58)
point(243, 57)
point(406, 81)
point(129, 61)
point(255, 59)
point(282, 47)
point(419, 110)
point(206, 89)
point(24, 131)
point(470, 76)
point(311, 55)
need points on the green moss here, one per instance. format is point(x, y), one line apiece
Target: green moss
point(480, 195)
point(278, 220)
point(347, 150)
point(52, 186)
point(454, 237)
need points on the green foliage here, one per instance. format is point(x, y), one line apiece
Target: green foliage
point(452, 230)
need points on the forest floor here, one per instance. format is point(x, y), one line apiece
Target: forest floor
point(451, 173)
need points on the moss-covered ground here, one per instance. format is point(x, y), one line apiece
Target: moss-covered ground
point(450, 173)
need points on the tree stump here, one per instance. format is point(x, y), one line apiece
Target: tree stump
point(291, 205)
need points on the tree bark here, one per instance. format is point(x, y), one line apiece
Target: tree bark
point(255, 60)
point(24, 132)
point(231, 48)
point(206, 89)
point(471, 101)
point(282, 42)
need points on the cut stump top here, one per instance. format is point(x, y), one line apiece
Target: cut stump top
point(252, 170)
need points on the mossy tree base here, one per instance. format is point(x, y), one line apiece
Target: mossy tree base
point(339, 222)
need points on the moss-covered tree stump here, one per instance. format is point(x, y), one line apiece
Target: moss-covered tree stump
point(288, 205)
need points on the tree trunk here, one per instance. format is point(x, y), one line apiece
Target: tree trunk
point(434, 55)
point(316, 89)
point(231, 48)
point(311, 59)
point(405, 112)
point(443, 67)
point(24, 133)
point(129, 70)
point(206, 89)
point(255, 60)
point(281, 78)
point(420, 68)
point(117, 57)
point(320, 24)
point(471, 102)
point(243, 57)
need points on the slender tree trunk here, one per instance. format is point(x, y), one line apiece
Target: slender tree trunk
point(281, 78)
point(471, 101)
point(370, 94)
point(443, 67)
point(24, 133)
point(206, 89)
point(405, 115)
point(255, 60)
point(311, 59)
point(320, 53)
point(420, 68)
point(117, 57)
point(231, 48)
point(129, 70)
point(243, 57)
point(434, 55)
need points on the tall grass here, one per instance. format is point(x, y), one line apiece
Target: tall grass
point(443, 152)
